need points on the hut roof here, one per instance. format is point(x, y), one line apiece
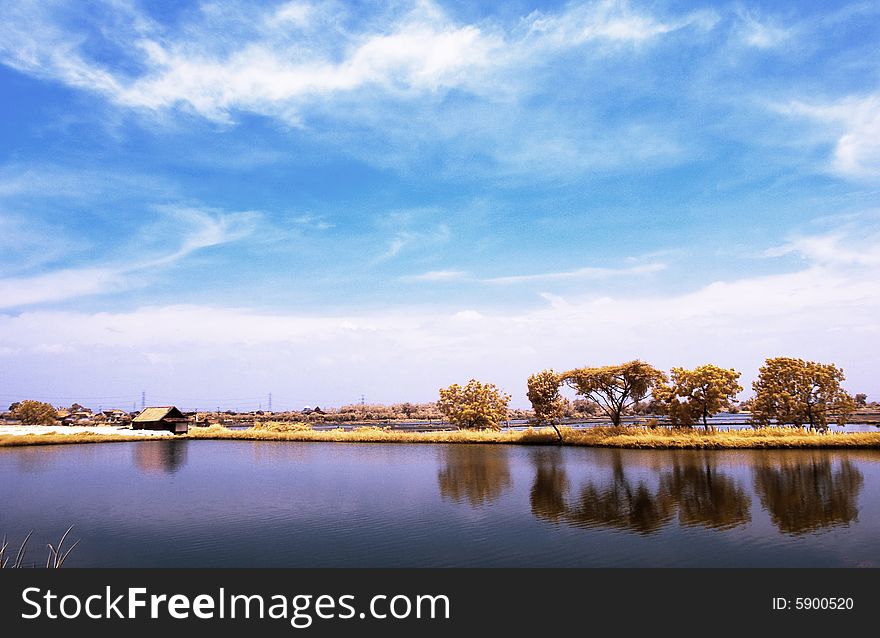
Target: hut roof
point(157, 414)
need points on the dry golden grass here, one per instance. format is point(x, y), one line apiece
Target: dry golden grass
point(16, 440)
point(372, 435)
point(697, 438)
point(621, 437)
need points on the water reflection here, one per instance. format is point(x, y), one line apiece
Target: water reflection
point(693, 488)
point(807, 494)
point(30, 460)
point(547, 497)
point(622, 503)
point(166, 456)
point(473, 473)
point(705, 496)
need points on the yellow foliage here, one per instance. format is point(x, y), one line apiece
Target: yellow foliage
point(614, 388)
point(694, 395)
point(475, 406)
point(798, 392)
point(35, 413)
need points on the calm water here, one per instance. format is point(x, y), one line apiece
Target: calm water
point(233, 503)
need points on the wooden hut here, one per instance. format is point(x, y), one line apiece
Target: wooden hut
point(161, 418)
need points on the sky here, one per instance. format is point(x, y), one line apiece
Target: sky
point(209, 202)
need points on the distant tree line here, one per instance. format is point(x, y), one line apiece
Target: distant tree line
point(788, 392)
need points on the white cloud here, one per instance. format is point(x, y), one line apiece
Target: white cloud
point(589, 273)
point(312, 222)
point(438, 275)
point(836, 248)
point(193, 229)
point(202, 229)
point(853, 124)
point(610, 20)
point(59, 285)
point(272, 62)
point(411, 239)
point(272, 72)
point(762, 33)
point(296, 13)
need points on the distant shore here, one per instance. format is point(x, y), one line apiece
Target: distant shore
point(601, 436)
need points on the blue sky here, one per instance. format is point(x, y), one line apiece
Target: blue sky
point(213, 201)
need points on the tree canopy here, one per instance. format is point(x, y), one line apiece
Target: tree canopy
point(474, 406)
point(693, 395)
point(35, 413)
point(796, 392)
point(615, 388)
point(547, 403)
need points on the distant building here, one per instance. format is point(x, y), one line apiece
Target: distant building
point(315, 410)
point(115, 417)
point(81, 416)
point(161, 418)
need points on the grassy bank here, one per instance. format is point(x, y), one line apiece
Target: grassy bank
point(620, 437)
point(18, 440)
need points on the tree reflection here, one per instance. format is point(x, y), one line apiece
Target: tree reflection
point(160, 456)
point(706, 496)
point(621, 503)
point(473, 473)
point(804, 493)
point(551, 483)
point(693, 488)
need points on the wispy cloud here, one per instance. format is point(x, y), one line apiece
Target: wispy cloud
point(59, 285)
point(312, 222)
point(202, 229)
point(194, 230)
point(437, 275)
point(761, 32)
point(609, 20)
point(269, 61)
point(846, 246)
point(589, 273)
point(853, 124)
point(408, 239)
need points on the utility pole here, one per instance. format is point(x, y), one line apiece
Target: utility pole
point(143, 400)
point(270, 402)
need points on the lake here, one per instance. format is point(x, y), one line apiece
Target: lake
point(256, 504)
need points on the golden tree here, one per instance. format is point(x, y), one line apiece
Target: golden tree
point(796, 392)
point(548, 404)
point(474, 406)
point(615, 388)
point(697, 394)
point(35, 413)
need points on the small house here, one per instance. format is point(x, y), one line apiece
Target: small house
point(161, 418)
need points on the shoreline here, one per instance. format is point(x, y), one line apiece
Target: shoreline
point(626, 437)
